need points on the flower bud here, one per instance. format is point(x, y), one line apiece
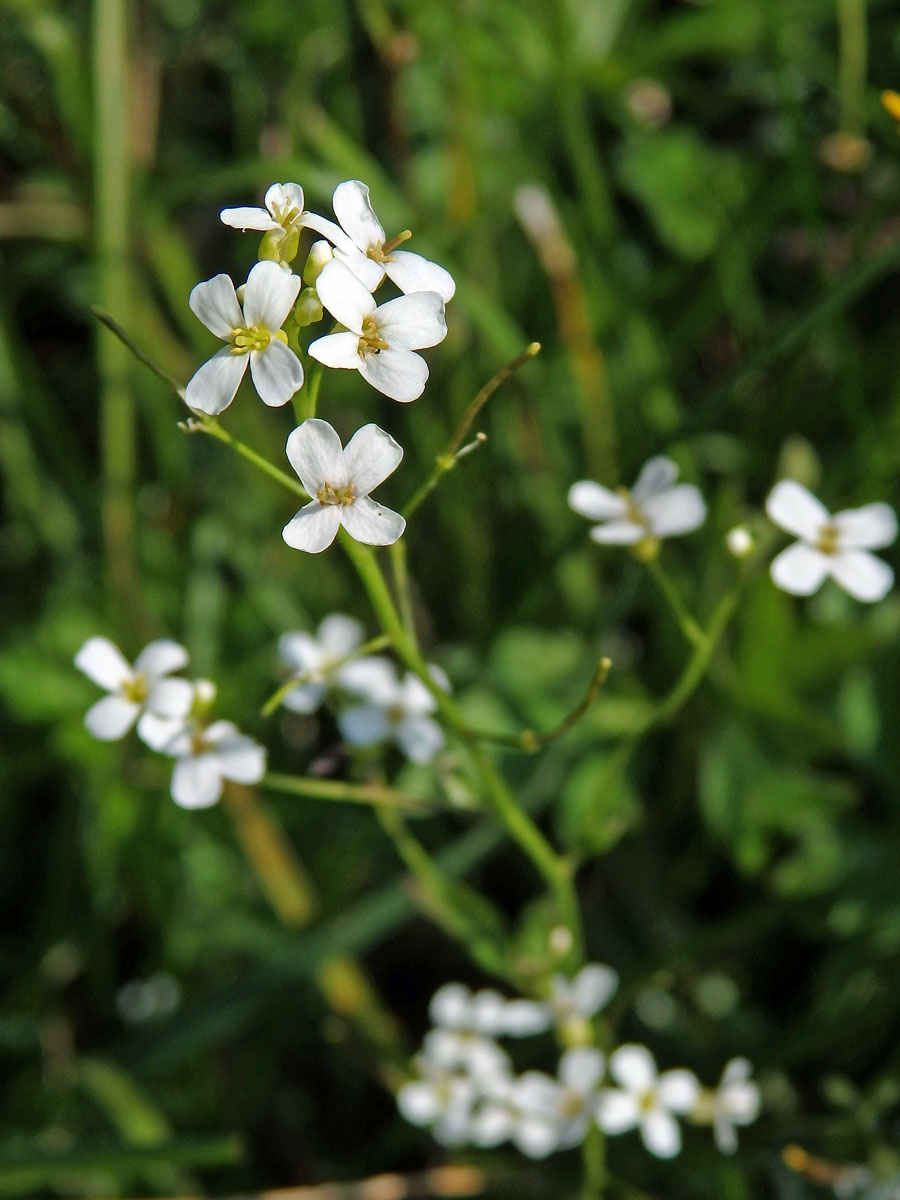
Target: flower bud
point(319, 254)
point(308, 309)
point(739, 541)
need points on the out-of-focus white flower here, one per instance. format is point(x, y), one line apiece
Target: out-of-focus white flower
point(646, 1100)
point(654, 508)
point(441, 1100)
point(554, 1114)
point(460, 1073)
point(148, 999)
point(318, 660)
point(253, 335)
point(133, 690)
point(735, 1102)
point(339, 481)
point(394, 709)
point(570, 1007)
point(379, 342)
point(207, 754)
point(487, 1012)
point(836, 545)
point(360, 243)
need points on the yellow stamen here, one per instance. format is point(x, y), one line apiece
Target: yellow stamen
point(340, 497)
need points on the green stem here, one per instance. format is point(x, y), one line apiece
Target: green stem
point(686, 622)
point(404, 592)
point(351, 793)
point(852, 56)
point(203, 424)
point(593, 1156)
point(306, 400)
point(555, 870)
point(111, 204)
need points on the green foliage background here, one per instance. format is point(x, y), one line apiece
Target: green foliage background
point(721, 288)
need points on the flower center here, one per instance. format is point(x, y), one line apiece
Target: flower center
point(829, 542)
point(285, 216)
point(252, 337)
point(340, 497)
point(571, 1104)
point(647, 1101)
point(371, 341)
point(135, 689)
point(382, 253)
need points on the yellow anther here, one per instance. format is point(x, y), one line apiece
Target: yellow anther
point(828, 542)
point(340, 497)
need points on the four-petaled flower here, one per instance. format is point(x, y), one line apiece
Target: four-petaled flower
point(317, 660)
point(253, 335)
point(339, 481)
point(360, 242)
point(652, 509)
point(283, 210)
point(378, 341)
point(393, 709)
point(646, 1100)
point(735, 1102)
point(836, 545)
point(553, 1114)
point(134, 691)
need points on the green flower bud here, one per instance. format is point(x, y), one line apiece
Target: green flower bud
point(308, 309)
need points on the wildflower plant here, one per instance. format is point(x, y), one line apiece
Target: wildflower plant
point(322, 298)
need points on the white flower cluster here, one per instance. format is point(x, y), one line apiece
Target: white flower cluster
point(375, 705)
point(466, 1089)
point(837, 546)
point(261, 322)
point(172, 717)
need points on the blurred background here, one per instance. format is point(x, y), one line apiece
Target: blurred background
point(695, 208)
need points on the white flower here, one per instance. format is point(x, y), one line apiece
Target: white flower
point(253, 335)
point(570, 1007)
point(339, 481)
point(207, 754)
point(360, 243)
point(836, 545)
point(379, 342)
point(284, 210)
point(460, 1074)
point(442, 1100)
point(316, 659)
point(455, 1007)
point(143, 688)
point(736, 1102)
point(654, 508)
point(646, 1100)
point(393, 710)
point(554, 1114)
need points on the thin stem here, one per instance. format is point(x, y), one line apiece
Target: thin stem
point(404, 591)
point(852, 56)
point(531, 740)
point(276, 699)
point(203, 424)
point(112, 203)
point(350, 793)
point(114, 327)
point(306, 401)
point(448, 460)
point(555, 870)
point(686, 622)
point(593, 1156)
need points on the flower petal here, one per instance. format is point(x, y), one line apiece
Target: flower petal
point(412, 322)
point(371, 524)
point(305, 697)
point(284, 196)
point(161, 657)
point(353, 209)
point(170, 698)
point(795, 509)
point(111, 718)
point(596, 502)
point(868, 528)
point(196, 782)
point(313, 528)
point(419, 1103)
point(413, 273)
point(214, 386)
point(633, 1067)
point(617, 1112)
point(677, 510)
point(398, 373)
point(167, 735)
point(348, 300)
point(863, 575)
point(592, 987)
point(661, 1134)
point(726, 1138)
point(269, 295)
point(337, 350)
point(238, 757)
point(277, 373)
point(451, 1006)
point(363, 725)
point(581, 1069)
point(800, 569)
point(299, 651)
point(420, 738)
point(367, 271)
point(216, 304)
point(678, 1090)
point(372, 678)
point(339, 634)
point(618, 533)
point(103, 663)
point(314, 451)
point(370, 457)
point(656, 475)
point(248, 218)
point(522, 1018)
